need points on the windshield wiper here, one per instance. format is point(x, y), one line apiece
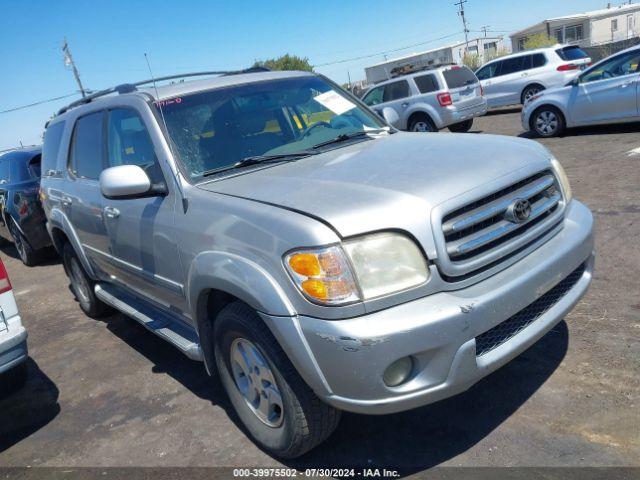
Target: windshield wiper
point(257, 159)
point(348, 136)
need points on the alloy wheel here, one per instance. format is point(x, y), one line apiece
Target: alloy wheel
point(422, 127)
point(530, 93)
point(80, 284)
point(18, 242)
point(546, 123)
point(256, 382)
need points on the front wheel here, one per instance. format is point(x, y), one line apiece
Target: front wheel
point(547, 122)
point(278, 409)
point(462, 127)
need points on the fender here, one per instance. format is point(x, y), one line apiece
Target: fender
point(422, 108)
point(237, 276)
point(58, 219)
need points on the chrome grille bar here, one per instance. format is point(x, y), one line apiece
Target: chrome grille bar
point(498, 206)
point(504, 227)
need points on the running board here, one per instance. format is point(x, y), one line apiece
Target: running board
point(180, 336)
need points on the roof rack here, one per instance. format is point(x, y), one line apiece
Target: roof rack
point(411, 68)
point(132, 87)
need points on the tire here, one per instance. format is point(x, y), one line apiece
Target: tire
point(27, 254)
point(422, 123)
point(547, 122)
point(298, 421)
point(462, 127)
point(15, 378)
point(82, 286)
point(529, 92)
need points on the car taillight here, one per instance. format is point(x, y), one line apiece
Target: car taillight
point(5, 284)
point(567, 67)
point(445, 99)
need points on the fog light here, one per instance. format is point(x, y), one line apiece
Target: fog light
point(398, 372)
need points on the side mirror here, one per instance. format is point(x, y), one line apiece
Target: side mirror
point(128, 181)
point(391, 116)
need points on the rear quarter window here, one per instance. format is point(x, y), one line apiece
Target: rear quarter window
point(426, 83)
point(51, 147)
point(457, 77)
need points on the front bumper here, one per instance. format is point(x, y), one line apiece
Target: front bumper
point(344, 361)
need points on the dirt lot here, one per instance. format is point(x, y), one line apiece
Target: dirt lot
point(108, 393)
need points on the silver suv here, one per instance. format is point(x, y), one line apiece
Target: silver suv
point(514, 79)
point(430, 100)
point(315, 259)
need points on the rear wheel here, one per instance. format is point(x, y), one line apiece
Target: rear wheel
point(422, 123)
point(81, 285)
point(27, 254)
point(529, 92)
point(277, 408)
point(547, 121)
point(462, 127)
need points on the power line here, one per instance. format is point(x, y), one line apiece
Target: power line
point(21, 107)
point(384, 52)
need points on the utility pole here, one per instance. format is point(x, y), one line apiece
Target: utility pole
point(464, 23)
point(68, 61)
point(484, 30)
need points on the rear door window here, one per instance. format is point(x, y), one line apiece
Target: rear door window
point(426, 83)
point(538, 60)
point(87, 147)
point(571, 53)
point(512, 65)
point(396, 91)
point(458, 77)
point(51, 147)
point(34, 167)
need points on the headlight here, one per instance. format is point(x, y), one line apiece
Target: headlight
point(385, 263)
point(364, 268)
point(562, 177)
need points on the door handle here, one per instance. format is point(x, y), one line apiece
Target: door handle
point(405, 105)
point(111, 212)
point(66, 201)
point(627, 84)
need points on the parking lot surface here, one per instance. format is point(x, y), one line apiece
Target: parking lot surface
point(108, 393)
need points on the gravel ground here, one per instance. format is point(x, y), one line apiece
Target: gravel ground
point(108, 393)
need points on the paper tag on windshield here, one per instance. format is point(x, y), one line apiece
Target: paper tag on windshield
point(334, 102)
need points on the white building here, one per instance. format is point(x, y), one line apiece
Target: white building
point(485, 47)
point(588, 29)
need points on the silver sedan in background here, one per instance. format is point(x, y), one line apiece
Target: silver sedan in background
point(606, 93)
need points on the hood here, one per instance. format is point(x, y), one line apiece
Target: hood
point(364, 186)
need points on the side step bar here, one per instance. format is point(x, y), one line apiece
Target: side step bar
point(180, 336)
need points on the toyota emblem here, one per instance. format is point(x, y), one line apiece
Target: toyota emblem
point(519, 211)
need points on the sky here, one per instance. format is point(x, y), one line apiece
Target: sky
point(108, 39)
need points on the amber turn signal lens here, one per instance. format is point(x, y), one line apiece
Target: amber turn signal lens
point(305, 264)
point(315, 288)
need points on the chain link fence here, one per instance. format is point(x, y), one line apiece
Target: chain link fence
point(599, 52)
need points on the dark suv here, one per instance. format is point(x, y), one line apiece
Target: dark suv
point(22, 219)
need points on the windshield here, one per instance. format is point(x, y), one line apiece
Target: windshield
point(218, 128)
point(457, 77)
point(572, 53)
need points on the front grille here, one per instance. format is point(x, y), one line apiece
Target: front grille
point(515, 324)
point(481, 232)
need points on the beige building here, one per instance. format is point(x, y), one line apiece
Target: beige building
point(589, 29)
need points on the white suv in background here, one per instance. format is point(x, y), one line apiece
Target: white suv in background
point(431, 99)
point(513, 79)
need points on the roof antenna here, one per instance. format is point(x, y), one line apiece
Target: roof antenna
point(185, 201)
